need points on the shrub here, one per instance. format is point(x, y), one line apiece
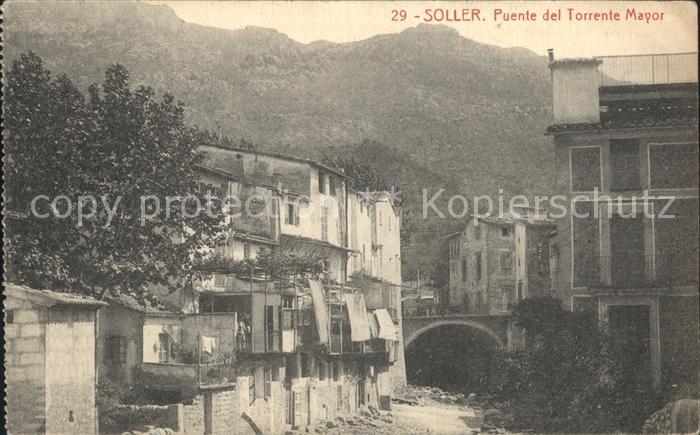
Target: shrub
point(568, 378)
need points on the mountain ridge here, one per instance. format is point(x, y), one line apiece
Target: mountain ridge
point(447, 110)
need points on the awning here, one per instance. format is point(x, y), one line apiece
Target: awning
point(320, 311)
point(387, 329)
point(359, 321)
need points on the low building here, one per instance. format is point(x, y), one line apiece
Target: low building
point(50, 361)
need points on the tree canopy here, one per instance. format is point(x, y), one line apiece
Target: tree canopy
point(96, 157)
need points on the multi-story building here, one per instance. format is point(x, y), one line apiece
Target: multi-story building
point(626, 142)
point(498, 261)
point(310, 349)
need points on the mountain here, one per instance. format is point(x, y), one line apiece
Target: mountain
point(450, 112)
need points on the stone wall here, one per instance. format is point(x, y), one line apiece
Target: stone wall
point(25, 367)
point(193, 416)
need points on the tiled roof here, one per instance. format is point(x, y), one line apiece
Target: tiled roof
point(149, 307)
point(621, 124)
point(50, 298)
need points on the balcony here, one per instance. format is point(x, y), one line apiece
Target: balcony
point(651, 69)
point(636, 271)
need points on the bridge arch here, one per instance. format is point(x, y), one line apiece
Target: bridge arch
point(461, 322)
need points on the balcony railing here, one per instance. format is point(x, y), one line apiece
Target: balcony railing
point(648, 69)
point(630, 270)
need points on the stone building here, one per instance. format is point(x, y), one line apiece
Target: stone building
point(497, 261)
point(625, 133)
point(50, 361)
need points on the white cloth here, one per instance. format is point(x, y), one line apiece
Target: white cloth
point(208, 344)
point(387, 329)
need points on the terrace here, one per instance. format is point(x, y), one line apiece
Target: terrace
point(192, 351)
point(648, 69)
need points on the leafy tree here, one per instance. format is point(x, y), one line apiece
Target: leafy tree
point(363, 175)
point(125, 148)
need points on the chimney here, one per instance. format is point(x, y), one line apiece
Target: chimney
point(550, 52)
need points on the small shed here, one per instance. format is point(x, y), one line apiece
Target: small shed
point(50, 361)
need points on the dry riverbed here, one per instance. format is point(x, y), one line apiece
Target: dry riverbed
point(420, 410)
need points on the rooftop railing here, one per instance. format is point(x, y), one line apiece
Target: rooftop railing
point(648, 69)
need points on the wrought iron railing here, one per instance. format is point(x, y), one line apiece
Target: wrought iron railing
point(648, 69)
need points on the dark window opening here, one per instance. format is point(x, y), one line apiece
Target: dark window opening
point(477, 260)
point(115, 349)
point(268, 382)
point(505, 232)
point(305, 365)
point(673, 166)
point(585, 169)
point(624, 164)
point(9, 317)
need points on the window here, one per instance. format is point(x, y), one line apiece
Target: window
point(115, 349)
point(362, 207)
point(380, 218)
point(624, 164)
point(305, 365)
point(324, 223)
point(219, 280)
point(389, 223)
point(291, 217)
point(251, 387)
point(164, 347)
point(585, 169)
point(9, 317)
point(287, 301)
point(505, 232)
point(322, 183)
point(337, 368)
point(673, 166)
point(246, 250)
point(464, 269)
point(326, 265)
point(506, 260)
point(332, 185)
point(323, 371)
point(268, 382)
point(477, 265)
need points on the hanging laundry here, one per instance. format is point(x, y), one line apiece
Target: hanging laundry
point(320, 311)
point(208, 344)
point(387, 329)
point(357, 312)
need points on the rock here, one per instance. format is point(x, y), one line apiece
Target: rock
point(331, 425)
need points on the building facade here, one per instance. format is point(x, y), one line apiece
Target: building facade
point(497, 261)
point(626, 141)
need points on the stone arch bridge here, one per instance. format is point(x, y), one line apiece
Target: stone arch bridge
point(496, 327)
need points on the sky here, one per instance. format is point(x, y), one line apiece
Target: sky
point(307, 21)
